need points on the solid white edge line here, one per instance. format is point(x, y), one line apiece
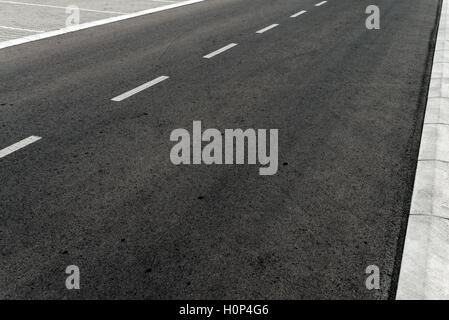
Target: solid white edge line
point(298, 14)
point(19, 145)
point(15, 42)
point(320, 3)
point(425, 259)
point(217, 52)
point(267, 28)
point(140, 88)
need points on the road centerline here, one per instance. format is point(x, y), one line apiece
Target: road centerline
point(139, 88)
point(217, 52)
point(298, 14)
point(18, 145)
point(267, 28)
point(320, 3)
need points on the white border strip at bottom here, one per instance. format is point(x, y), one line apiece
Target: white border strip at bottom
point(49, 34)
point(425, 260)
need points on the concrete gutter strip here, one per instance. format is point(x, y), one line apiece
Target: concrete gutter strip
point(425, 261)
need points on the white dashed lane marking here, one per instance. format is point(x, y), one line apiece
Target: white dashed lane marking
point(298, 14)
point(19, 145)
point(226, 48)
point(139, 89)
point(267, 28)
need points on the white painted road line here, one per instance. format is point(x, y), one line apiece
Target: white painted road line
point(267, 28)
point(18, 145)
point(298, 14)
point(320, 4)
point(425, 259)
point(139, 89)
point(21, 29)
point(92, 24)
point(57, 7)
point(226, 48)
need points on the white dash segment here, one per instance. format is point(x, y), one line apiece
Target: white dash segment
point(139, 89)
point(19, 145)
point(320, 3)
point(267, 28)
point(298, 14)
point(226, 48)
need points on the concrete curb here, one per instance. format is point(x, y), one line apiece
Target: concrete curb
point(425, 261)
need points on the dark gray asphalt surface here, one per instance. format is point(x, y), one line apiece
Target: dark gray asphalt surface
point(99, 190)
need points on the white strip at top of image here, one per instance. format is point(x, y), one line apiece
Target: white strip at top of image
point(49, 34)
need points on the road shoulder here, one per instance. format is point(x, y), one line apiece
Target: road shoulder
point(426, 251)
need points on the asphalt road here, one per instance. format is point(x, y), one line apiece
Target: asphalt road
point(99, 190)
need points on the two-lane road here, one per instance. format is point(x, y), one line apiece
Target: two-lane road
point(99, 191)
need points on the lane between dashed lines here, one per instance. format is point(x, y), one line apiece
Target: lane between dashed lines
point(19, 145)
point(139, 89)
